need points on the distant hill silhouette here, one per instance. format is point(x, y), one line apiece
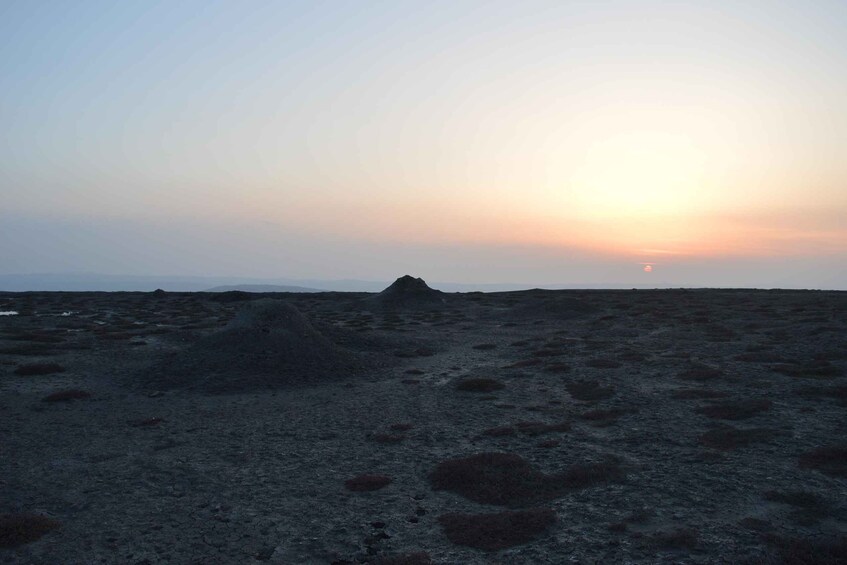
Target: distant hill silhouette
point(262, 288)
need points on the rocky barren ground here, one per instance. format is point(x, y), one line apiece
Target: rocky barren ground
point(667, 426)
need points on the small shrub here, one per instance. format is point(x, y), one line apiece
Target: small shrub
point(604, 417)
point(146, 423)
point(492, 532)
point(538, 428)
point(759, 357)
point(557, 368)
point(589, 390)
point(418, 558)
point(548, 353)
point(738, 410)
point(22, 528)
point(797, 498)
point(39, 369)
point(811, 551)
point(727, 438)
point(830, 461)
point(682, 538)
point(401, 427)
point(817, 369)
point(365, 483)
point(67, 395)
point(479, 385)
point(631, 356)
point(509, 480)
point(837, 392)
point(700, 374)
point(524, 363)
point(698, 394)
point(589, 474)
point(388, 438)
point(485, 346)
point(603, 363)
point(491, 478)
point(500, 431)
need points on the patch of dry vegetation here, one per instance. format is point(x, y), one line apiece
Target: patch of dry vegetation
point(811, 551)
point(736, 410)
point(509, 480)
point(417, 558)
point(67, 395)
point(589, 390)
point(492, 532)
point(21, 528)
point(32, 369)
point(698, 394)
point(830, 461)
point(539, 428)
point(603, 418)
point(727, 438)
point(816, 369)
point(681, 538)
point(700, 373)
point(366, 483)
point(809, 507)
point(480, 384)
point(603, 363)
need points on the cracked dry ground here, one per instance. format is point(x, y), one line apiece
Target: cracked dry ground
point(667, 426)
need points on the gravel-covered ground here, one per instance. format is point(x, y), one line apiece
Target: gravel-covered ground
point(667, 426)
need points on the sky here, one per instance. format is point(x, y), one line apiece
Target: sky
point(476, 142)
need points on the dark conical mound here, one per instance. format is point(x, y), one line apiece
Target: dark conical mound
point(409, 291)
point(268, 344)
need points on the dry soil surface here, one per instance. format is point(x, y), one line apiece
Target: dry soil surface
point(668, 426)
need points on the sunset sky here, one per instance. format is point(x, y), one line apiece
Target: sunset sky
point(522, 142)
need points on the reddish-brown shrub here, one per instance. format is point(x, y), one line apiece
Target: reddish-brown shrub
point(364, 483)
point(538, 428)
point(603, 363)
point(22, 528)
point(830, 461)
point(811, 551)
point(698, 394)
point(682, 538)
point(39, 369)
point(492, 532)
point(738, 410)
point(589, 390)
point(66, 395)
point(700, 373)
point(727, 437)
point(418, 558)
point(479, 385)
point(509, 480)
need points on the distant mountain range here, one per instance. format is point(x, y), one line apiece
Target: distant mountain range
point(134, 283)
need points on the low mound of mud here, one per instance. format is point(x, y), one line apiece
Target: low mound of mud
point(269, 344)
point(408, 291)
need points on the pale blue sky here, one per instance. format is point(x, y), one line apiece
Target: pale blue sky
point(343, 139)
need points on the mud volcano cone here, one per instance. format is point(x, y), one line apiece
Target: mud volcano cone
point(269, 344)
point(410, 291)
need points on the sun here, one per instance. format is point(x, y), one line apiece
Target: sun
point(648, 268)
point(639, 174)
